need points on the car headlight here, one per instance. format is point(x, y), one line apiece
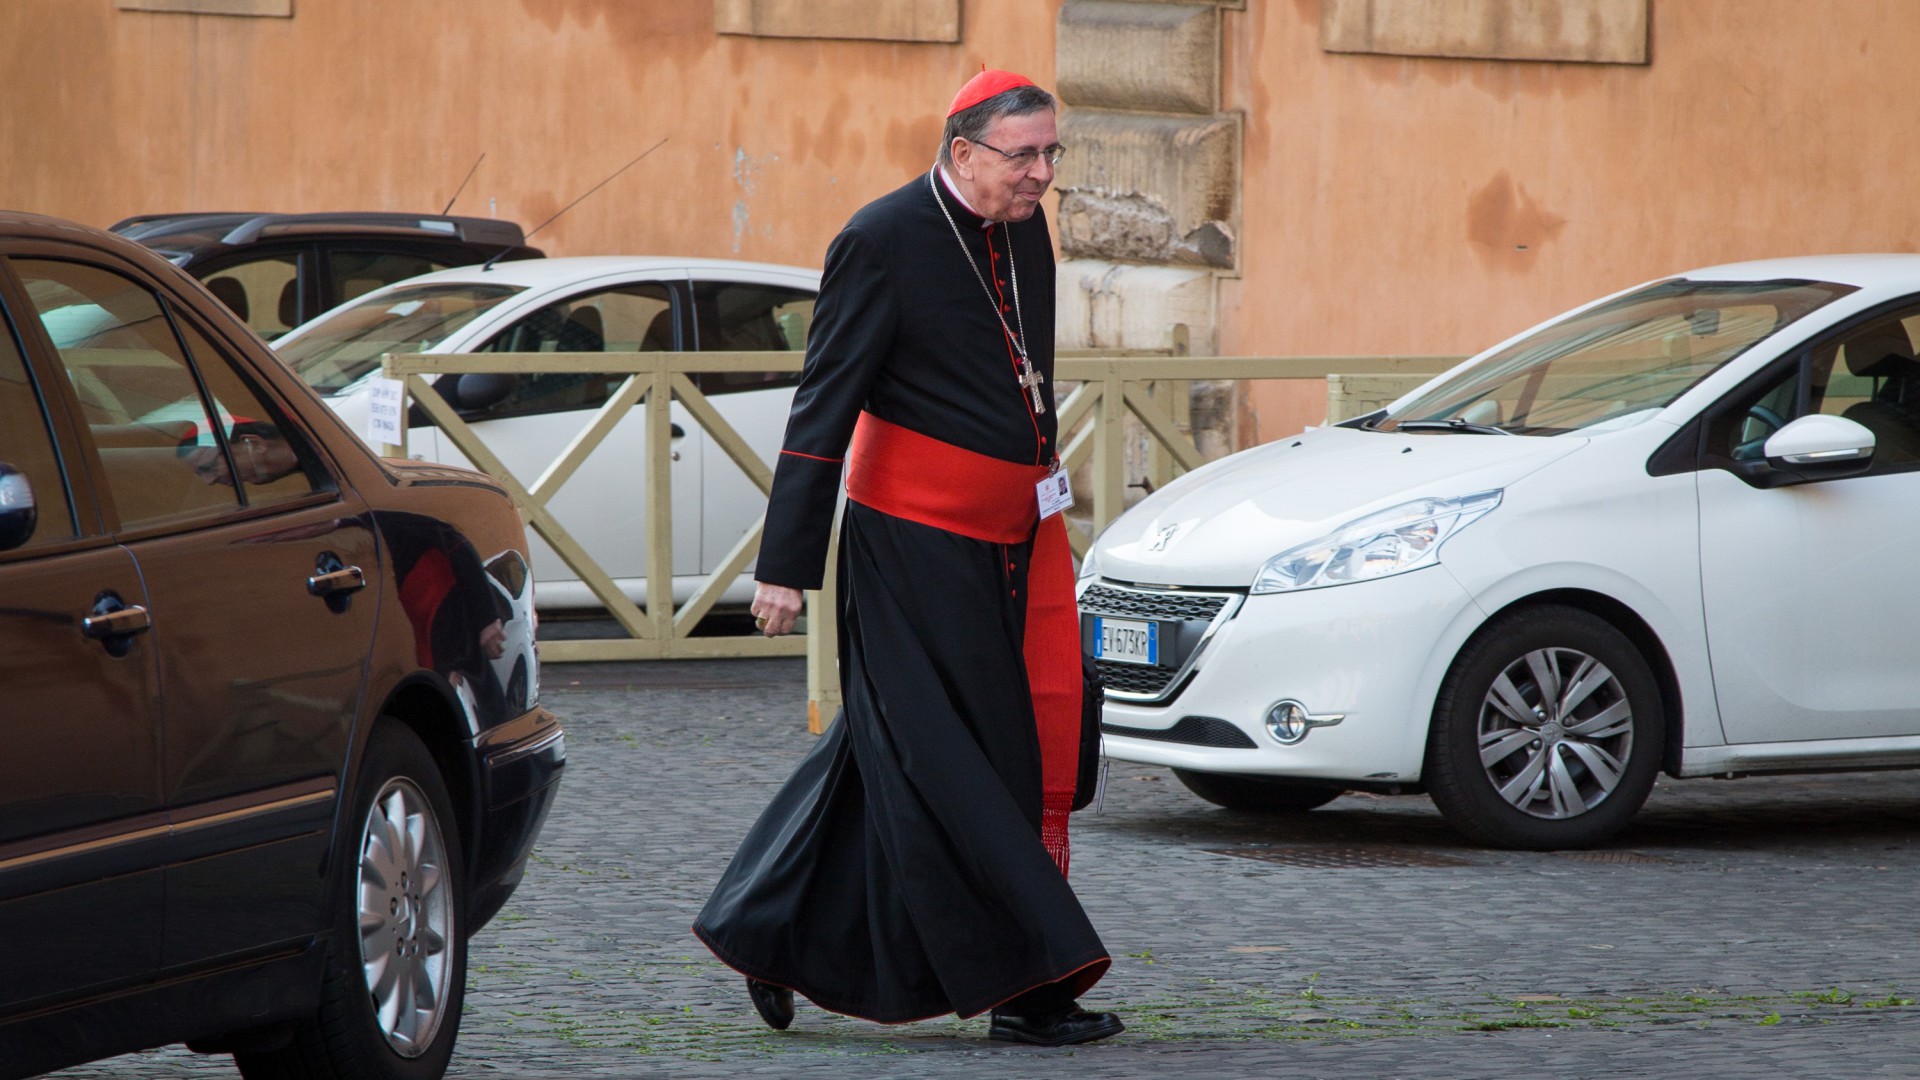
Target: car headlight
point(1089, 566)
point(1392, 541)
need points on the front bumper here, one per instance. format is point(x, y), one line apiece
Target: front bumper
point(1372, 652)
point(520, 766)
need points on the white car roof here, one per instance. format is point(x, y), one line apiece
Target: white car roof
point(549, 273)
point(1891, 272)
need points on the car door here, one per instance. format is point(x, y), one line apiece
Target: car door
point(1807, 588)
point(603, 504)
point(83, 835)
point(253, 555)
point(757, 313)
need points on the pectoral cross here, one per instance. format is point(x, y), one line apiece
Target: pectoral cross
point(1030, 381)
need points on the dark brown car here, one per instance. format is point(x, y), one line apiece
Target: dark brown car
point(273, 748)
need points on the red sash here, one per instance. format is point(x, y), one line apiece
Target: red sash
point(908, 475)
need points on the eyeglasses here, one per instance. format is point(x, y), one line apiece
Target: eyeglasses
point(1025, 159)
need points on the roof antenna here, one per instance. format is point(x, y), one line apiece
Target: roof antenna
point(503, 251)
point(463, 186)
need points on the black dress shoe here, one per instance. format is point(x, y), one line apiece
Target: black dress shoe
point(1063, 1028)
point(774, 1003)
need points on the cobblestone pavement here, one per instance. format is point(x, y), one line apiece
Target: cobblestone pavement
point(1762, 927)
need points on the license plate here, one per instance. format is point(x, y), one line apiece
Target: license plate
point(1126, 641)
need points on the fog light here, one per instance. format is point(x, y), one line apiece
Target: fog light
point(1289, 721)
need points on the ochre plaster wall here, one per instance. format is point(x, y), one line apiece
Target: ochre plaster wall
point(372, 105)
point(1388, 204)
point(1399, 205)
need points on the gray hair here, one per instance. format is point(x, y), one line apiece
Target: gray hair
point(972, 123)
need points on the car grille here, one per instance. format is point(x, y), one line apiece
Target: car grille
point(1133, 678)
point(1198, 612)
point(1193, 730)
point(1199, 607)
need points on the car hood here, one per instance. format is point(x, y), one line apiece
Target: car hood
point(1217, 525)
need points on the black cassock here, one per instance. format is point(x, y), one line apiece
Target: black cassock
point(900, 874)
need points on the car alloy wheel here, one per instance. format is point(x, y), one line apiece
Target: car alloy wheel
point(406, 916)
point(396, 964)
point(1547, 733)
point(1556, 731)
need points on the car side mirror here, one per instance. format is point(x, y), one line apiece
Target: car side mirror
point(477, 391)
point(1818, 447)
point(18, 512)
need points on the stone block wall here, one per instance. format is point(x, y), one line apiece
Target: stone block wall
point(1149, 190)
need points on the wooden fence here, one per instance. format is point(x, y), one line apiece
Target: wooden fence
point(1107, 388)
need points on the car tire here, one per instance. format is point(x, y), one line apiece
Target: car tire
point(1257, 794)
point(401, 881)
point(1511, 766)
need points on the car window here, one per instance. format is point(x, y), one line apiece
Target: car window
point(1614, 365)
point(339, 349)
point(734, 316)
point(27, 451)
point(136, 391)
point(354, 274)
point(634, 317)
point(1868, 374)
point(267, 453)
point(264, 292)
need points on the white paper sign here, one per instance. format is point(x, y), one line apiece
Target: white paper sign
point(383, 412)
point(1055, 494)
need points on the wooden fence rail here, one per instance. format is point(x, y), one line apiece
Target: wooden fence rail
point(1107, 387)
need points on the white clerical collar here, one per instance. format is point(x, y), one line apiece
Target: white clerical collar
point(954, 190)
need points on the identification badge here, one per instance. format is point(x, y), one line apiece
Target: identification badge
point(1055, 494)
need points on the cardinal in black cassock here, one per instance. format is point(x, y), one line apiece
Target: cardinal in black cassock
point(915, 863)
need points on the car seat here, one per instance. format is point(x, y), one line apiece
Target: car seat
point(1892, 413)
point(659, 335)
point(289, 308)
point(583, 331)
point(230, 292)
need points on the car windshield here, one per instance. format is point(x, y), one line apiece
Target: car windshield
point(1613, 366)
point(338, 349)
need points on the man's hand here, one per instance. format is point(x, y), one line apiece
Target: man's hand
point(775, 607)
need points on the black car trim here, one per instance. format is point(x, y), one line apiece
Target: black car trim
point(303, 793)
point(194, 981)
point(83, 841)
point(271, 837)
point(161, 823)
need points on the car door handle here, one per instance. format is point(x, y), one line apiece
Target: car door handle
point(346, 579)
point(115, 622)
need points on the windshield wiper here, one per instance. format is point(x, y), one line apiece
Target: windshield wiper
point(1456, 425)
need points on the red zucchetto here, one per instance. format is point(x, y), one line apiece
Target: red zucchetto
point(985, 85)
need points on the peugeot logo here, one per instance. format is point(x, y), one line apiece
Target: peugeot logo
point(1163, 538)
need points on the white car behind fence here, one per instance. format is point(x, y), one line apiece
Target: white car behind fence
point(575, 305)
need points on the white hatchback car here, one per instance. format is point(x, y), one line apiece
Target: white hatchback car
point(586, 304)
point(1669, 530)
